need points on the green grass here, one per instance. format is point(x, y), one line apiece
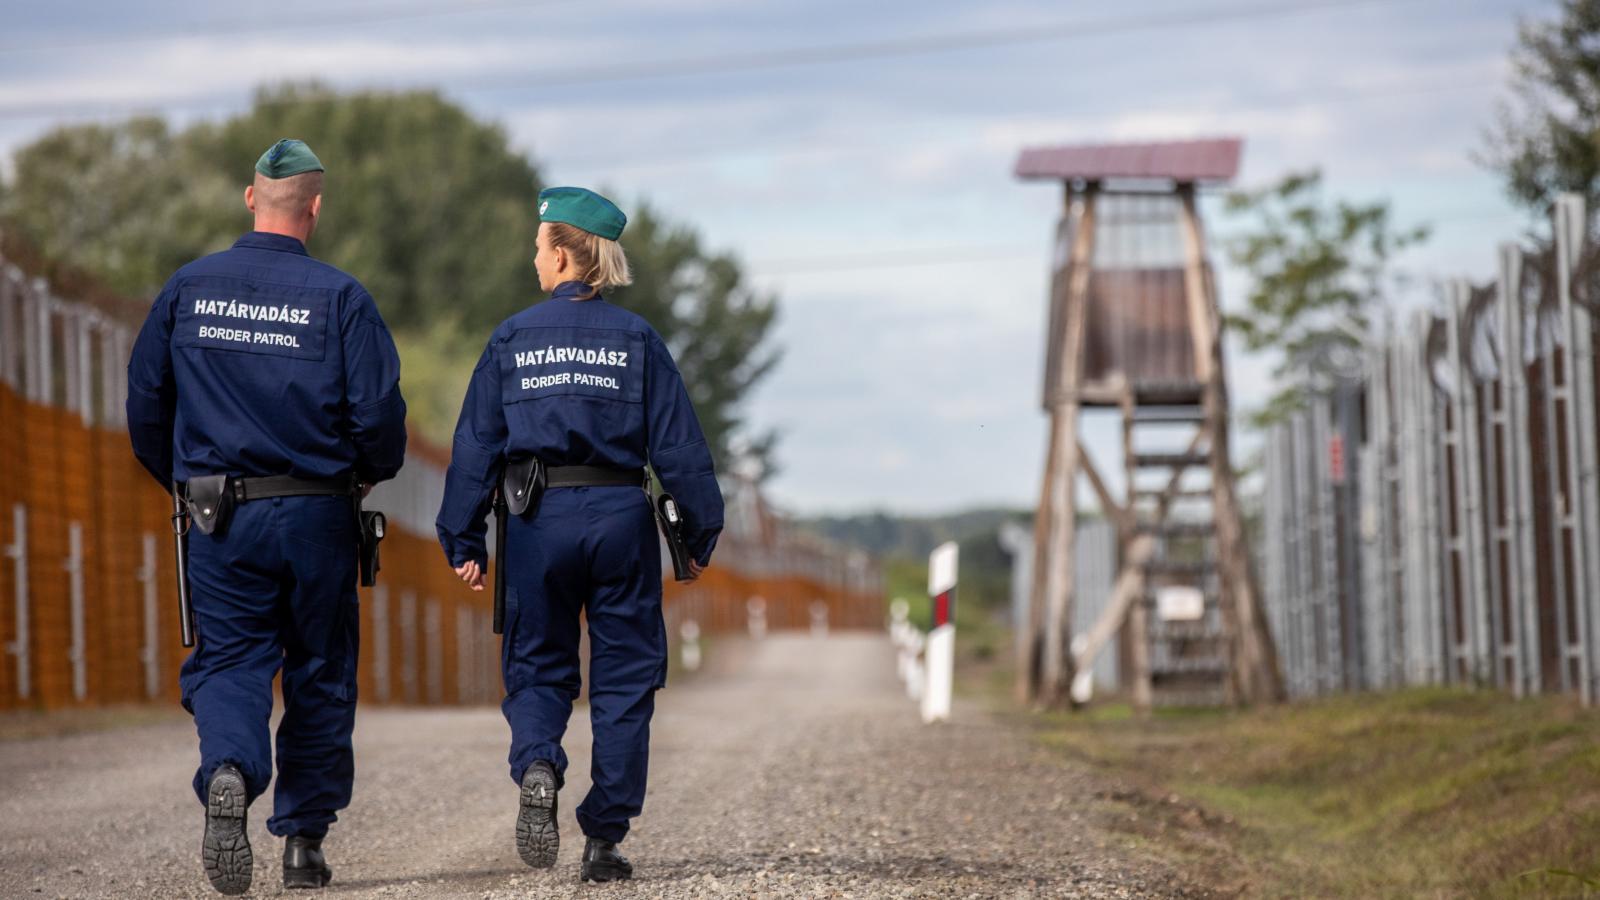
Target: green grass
point(1417, 793)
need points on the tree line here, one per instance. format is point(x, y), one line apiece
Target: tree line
point(431, 208)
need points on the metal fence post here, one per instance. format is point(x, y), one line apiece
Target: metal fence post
point(1520, 640)
point(1584, 520)
point(18, 551)
point(408, 646)
point(10, 342)
point(1384, 599)
point(1327, 657)
point(1302, 590)
point(464, 655)
point(45, 357)
point(83, 359)
point(150, 653)
point(379, 640)
point(74, 567)
point(110, 365)
point(433, 627)
point(29, 344)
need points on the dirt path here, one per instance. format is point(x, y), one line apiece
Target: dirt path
point(794, 767)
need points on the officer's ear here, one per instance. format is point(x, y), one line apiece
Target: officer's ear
point(250, 197)
point(316, 206)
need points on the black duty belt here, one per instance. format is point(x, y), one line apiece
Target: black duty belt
point(245, 489)
point(210, 498)
point(522, 486)
point(592, 476)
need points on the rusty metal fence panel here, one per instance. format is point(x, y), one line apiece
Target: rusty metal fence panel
point(1476, 506)
point(86, 585)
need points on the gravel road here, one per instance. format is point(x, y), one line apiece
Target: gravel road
point(790, 767)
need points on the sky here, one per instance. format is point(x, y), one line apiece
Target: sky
point(857, 158)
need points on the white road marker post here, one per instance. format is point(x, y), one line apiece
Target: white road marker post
point(819, 619)
point(915, 679)
point(755, 610)
point(689, 633)
point(899, 612)
point(941, 651)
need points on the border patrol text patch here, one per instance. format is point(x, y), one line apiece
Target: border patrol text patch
point(219, 319)
point(586, 362)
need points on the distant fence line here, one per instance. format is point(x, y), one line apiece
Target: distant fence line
point(88, 613)
point(1432, 516)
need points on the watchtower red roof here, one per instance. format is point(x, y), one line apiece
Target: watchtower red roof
point(1214, 159)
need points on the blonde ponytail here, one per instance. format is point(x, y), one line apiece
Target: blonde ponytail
point(601, 264)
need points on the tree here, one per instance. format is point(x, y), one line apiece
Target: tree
point(715, 325)
point(128, 203)
point(1316, 272)
point(430, 208)
point(1549, 141)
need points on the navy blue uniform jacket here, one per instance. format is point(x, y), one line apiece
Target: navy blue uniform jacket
point(576, 383)
point(260, 360)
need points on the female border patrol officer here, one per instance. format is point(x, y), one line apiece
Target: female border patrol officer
point(590, 391)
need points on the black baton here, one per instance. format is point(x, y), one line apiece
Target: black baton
point(500, 516)
point(180, 542)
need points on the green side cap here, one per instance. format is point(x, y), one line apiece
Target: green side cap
point(582, 208)
point(288, 157)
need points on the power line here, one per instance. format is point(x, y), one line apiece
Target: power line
point(726, 63)
point(976, 254)
point(1313, 96)
point(317, 21)
point(891, 259)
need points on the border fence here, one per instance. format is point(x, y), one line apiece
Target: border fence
point(1432, 515)
point(88, 609)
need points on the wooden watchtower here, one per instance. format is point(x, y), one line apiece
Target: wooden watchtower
point(1135, 330)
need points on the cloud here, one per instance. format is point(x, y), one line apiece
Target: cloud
point(916, 385)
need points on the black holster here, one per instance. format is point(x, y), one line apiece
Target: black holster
point(671, 520)
point(523, 486)
point(210, 499)
point(371, 525)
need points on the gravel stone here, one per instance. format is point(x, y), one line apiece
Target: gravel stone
point(787, 768)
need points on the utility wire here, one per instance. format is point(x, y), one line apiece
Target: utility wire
point(725, 63)
point(729, 63)
point(312, 21)
point(1318, 95)
point(975, 254)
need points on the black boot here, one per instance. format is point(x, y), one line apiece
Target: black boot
point(225, 849)
point(303, 863)
point(537, 837)
point(602, 862)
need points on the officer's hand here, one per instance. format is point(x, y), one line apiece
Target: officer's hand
point(695, 569)
point(366, 489)
point(471, 573)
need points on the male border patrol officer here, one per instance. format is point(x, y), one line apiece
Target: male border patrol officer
point(264, 365)
point(590, 391)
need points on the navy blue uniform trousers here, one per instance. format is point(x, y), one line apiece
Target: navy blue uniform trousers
point(594, 551)
point(277, 589)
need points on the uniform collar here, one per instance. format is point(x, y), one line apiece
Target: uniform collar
point(566, 290)
point(266, 240)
